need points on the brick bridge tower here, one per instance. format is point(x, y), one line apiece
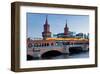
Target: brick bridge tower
point(66, 29)
point(46, 32)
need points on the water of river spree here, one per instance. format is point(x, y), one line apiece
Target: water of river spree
point(79, 55)
point(66, 56)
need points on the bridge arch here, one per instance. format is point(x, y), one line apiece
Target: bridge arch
point(29, 57)
point(50, 54)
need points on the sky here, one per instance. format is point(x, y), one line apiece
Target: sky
point(57, 22)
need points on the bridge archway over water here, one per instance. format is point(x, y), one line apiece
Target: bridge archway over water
point(29, 57)
point(50, 54)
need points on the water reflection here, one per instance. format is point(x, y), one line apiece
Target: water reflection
point(56, 55)
point(79, 55)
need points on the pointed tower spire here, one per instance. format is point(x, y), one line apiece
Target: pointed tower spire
point(66, 23)
point(46, 22)
point(46, 33)
point(66, 29)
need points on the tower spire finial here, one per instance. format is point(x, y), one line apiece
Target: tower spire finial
point(46, 22)
point(66, 23)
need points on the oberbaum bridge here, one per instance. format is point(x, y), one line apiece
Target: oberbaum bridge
point(48, 46)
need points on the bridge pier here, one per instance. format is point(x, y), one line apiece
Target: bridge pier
point(66, 50)
point(36, 54)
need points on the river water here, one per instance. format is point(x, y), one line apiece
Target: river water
point(79, 55)
point(66, 56)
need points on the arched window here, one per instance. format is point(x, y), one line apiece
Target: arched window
point(42, 44)
point(52, 44)
point(47, 44)
point(29, 45)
